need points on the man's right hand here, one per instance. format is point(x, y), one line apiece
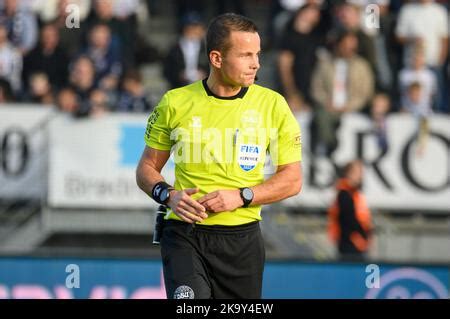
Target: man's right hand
point(185, 207)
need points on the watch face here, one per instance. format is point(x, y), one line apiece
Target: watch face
point(247, 193)
point(164, 195)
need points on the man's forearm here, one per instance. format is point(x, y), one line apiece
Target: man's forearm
point(148, 172)
point(147, 177)
point(285, 183)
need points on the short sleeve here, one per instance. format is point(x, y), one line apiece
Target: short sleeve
point(402, 28)
point(285, 142)
point(443, 26)
point(157, 134)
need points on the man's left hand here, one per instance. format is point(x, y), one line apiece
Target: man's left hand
point(221, 201)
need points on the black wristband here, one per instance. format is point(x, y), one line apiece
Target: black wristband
point(160, 192)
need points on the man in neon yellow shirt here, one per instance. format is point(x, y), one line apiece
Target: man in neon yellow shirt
point(219, 131)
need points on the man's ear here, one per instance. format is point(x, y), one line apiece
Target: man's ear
point(215, 57)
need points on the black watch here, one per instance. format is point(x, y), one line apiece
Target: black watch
point(246, 195)
point(161, 192)
point(165, 195)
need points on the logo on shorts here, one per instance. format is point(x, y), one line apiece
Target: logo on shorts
point(183, 292)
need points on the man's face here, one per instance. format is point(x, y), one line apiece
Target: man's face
point(11, 5)
point(67, 101)
point(194, 32)
point(84, 69)
point(104, 8)
point(415, 94)
point(355, 175)
point(241, 62)
point(49, 36)
point(101, 37)
point(349, 16)
point(348, 46)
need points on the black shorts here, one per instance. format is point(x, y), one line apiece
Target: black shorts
point(205, 262)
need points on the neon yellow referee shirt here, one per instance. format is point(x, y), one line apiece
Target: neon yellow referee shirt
point(221, 143)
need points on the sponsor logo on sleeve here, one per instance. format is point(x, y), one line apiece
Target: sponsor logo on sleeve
point(151, 121)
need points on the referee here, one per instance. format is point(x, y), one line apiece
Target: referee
point(219, 131)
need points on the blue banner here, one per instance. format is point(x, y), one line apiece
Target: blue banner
point(122, 279)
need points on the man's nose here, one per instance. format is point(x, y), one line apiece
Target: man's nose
point(255, 63)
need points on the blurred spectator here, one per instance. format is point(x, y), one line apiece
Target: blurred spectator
point(342, 82)
point(21, 25)
point(99, 103)
point(414, 104)
point(48, 10)
point(285, 11)
point(106, 57)
point(67, 101)
point(379, 109)
point(395, 5)
point(70, 39)
point(186, 62)
point(426, 23)
point(418, 72)
point(297, 57)
point(382, 5)
point(387, 49)
point(122, 31)
point(48, 57)
point(135, 14)
point(133, 97)
point(6, 95)
point(10, 61)
point(186, 7)
point(40, 89)
point(349, 17)
point(82, 81)
point(349, 217)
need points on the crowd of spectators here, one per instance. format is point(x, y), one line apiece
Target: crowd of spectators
point(332, 57)
point(85, 67)
point(337, 57)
